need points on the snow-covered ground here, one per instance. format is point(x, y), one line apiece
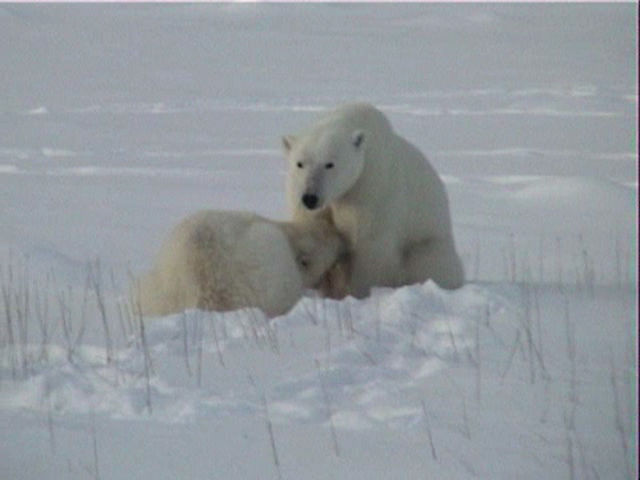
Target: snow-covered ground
point(116, 121)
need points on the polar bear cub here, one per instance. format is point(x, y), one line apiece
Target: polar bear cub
point(224, 260)
point(382, 195)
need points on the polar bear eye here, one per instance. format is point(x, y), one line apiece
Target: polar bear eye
point(303, 260)
point(299, 165)
point(328, 165)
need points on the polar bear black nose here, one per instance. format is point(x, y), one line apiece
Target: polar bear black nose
point(310, 200)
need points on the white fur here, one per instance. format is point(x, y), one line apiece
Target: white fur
point(217, 260)
point(383, 196)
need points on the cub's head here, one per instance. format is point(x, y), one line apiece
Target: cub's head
point(323, 166)
point(317, 246)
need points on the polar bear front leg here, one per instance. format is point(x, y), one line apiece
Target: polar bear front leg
point(434, 259)
point(375, 264)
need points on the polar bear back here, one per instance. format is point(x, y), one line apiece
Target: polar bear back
point(217, 260)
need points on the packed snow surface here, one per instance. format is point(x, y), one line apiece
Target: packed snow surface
point(117, 121)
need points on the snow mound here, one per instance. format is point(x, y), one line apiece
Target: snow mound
point(363, 352)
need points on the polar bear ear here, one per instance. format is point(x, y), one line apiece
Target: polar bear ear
point(357, 138)
point(287, 142)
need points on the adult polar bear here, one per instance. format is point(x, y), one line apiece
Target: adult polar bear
point(382, 194)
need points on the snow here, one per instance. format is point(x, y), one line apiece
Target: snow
point(116, 121)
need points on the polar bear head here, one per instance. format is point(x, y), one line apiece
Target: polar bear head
point(316, 245)
point(323, 165)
